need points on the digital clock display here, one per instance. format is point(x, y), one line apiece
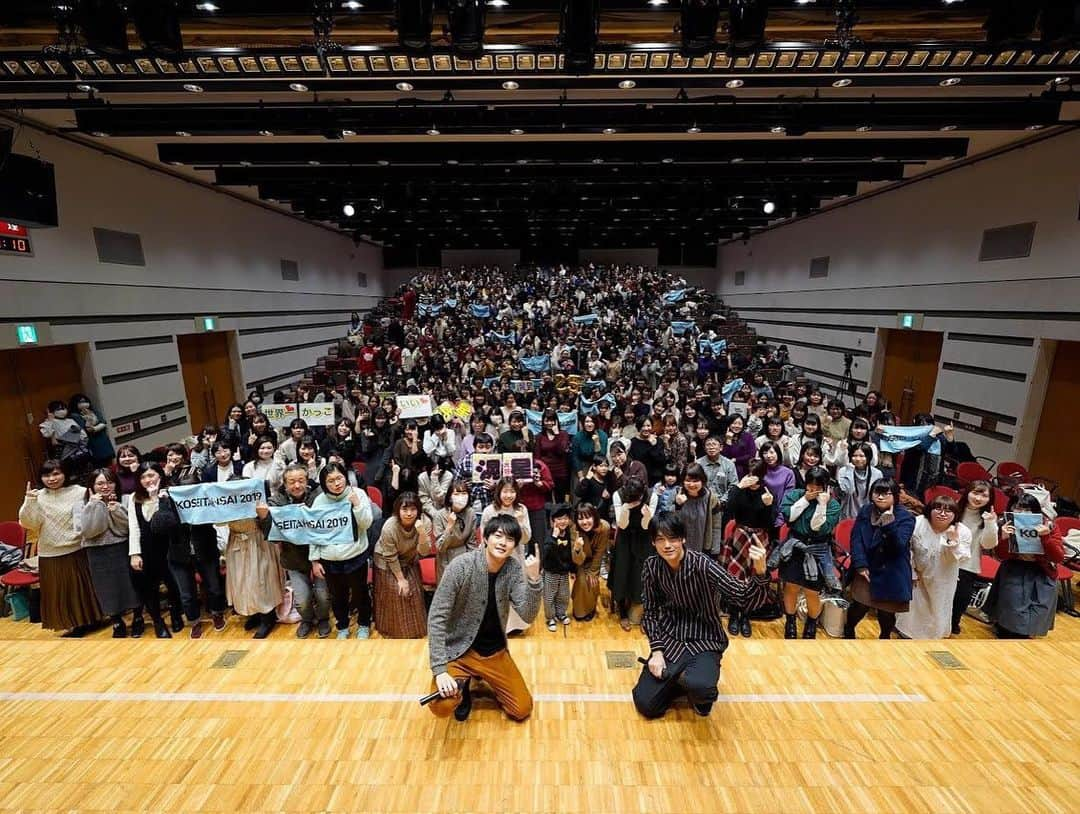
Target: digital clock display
point(15, 245)
point(14, 239)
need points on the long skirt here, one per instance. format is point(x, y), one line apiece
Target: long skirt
point(254, 581)
point(67, 592)
point(110, 570)
point(632, 547)
point(1025, 598)
point(399, 617)
point(735, 553)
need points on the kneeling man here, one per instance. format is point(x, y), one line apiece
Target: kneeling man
point(681, 594)
point(466, 624)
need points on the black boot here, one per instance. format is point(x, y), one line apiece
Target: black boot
point(744, 626)
point(138, 625)
point(733, 623)
point(177, 617)
point(160, 629)
point(465, 707)
point(253, 621)
point(790, 631)
point(810, 628)
point(267, 622)
point(119, 629)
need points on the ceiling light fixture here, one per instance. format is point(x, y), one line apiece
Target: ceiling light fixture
point(627, 84)
point(346, 133)
point(778, 129)
point(99, 134)
point(769, 207)
point(863, 128)
point(352, 5)
point(667, 160)
point(947, 128)
point(952, 81)
point(466, 23)
point(266, 132)
point(1034, 127)
point(183, 133)
point(299, 87)
point(608, 131)
point(598, 161)
point(734, 83)
point(413, 20)
point(190, 87)
point(517, 131)
point(206, 7)
point(693, 130)
point(82, 88)
point(1061, 80)
point(349, 210)
point(842, 83)
point(498, 3)
point(433, 132)
point(510, 84)
point(404, 87)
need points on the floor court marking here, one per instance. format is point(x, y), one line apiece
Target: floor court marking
point(395, 698)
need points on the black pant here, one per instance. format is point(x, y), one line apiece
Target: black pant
point(148, 581)
point(965, 584)
point(855, 614)
point(206, 563)
point(350, 590)
point(694, 676)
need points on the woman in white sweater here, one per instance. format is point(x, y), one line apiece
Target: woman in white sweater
point(938, 546)
point(978, 515)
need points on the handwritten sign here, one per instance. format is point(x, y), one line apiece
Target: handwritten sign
point(414, 406)
point(318, 415)
point(280, 415)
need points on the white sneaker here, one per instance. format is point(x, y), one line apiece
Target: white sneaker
point(343, 633)
point(551, 625)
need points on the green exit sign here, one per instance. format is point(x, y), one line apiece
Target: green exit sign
point(909, 321)
point(26, 334)
point(206, 324)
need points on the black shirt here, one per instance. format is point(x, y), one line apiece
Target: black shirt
point(491, 638)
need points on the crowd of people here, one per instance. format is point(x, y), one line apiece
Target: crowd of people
point(653, 434)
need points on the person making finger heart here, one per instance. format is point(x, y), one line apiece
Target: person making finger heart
point(467, 620)
point(682, 591)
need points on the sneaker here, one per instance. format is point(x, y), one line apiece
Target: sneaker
point(324, 628)
point(197, 629)
point(219, 621)
point(565, 620)
point(551, 625)
point(363, 632)
point(343, 633)
point(303, 630)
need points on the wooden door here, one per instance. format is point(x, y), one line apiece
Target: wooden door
point(1057, 443)
point(29, 379)
point(911, 366)
point(206, 366)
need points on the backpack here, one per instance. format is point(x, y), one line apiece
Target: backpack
point(72, 451)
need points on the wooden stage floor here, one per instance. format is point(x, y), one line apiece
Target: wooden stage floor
point(823, 726)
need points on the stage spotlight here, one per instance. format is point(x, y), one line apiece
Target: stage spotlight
point(413, 19)
point(697, 21)
point(157, 23)
point(769, 207)
point(1011, 20)
point(579, 30)
point(466, 28)
point(746, 22)
point(104, 26)
point(349, 210)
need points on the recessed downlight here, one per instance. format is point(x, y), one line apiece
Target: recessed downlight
point(404, 87)
point(842, 83)
point(191, 87)
point(510, 84)
point(734, 83)
point(952, 81)
point(627, 84)
point(517, 131)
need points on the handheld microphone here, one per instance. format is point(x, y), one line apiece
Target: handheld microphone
point(427, 699)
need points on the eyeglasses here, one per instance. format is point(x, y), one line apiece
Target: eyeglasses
point(942, 510)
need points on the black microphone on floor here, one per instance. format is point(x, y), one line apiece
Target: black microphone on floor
point(427, 699)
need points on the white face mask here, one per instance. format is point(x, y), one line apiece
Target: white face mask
point(60, 413)
point(459, 501)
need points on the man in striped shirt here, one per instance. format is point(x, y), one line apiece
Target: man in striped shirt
point(681, 594)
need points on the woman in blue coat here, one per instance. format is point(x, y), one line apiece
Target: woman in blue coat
point(880, 573)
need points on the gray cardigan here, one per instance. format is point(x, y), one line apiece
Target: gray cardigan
point(457, 609)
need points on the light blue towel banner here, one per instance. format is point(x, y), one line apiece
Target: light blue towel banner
point(490, 380)
point(1025, 538)
point(587, 319)
point(680, 327)
point(568, 422)
point(306, 525)
point(594, 384)
point(718, 348)
point(593, 407)
point(897, 439)
point(506, 339)
point(676, 295)
point(731, 388)
point(480, 311)
point(223, 502)
point(428, 309)
point(536, 364)
point(451, 303)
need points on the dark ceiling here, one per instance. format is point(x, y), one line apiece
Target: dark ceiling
point(651, 146)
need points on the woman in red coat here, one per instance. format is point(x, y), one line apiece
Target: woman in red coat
point(553, 448)
point(1025, 590)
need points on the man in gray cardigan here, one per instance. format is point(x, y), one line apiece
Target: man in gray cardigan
point(467, 621)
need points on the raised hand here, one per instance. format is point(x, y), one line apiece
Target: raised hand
point(532, 568)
